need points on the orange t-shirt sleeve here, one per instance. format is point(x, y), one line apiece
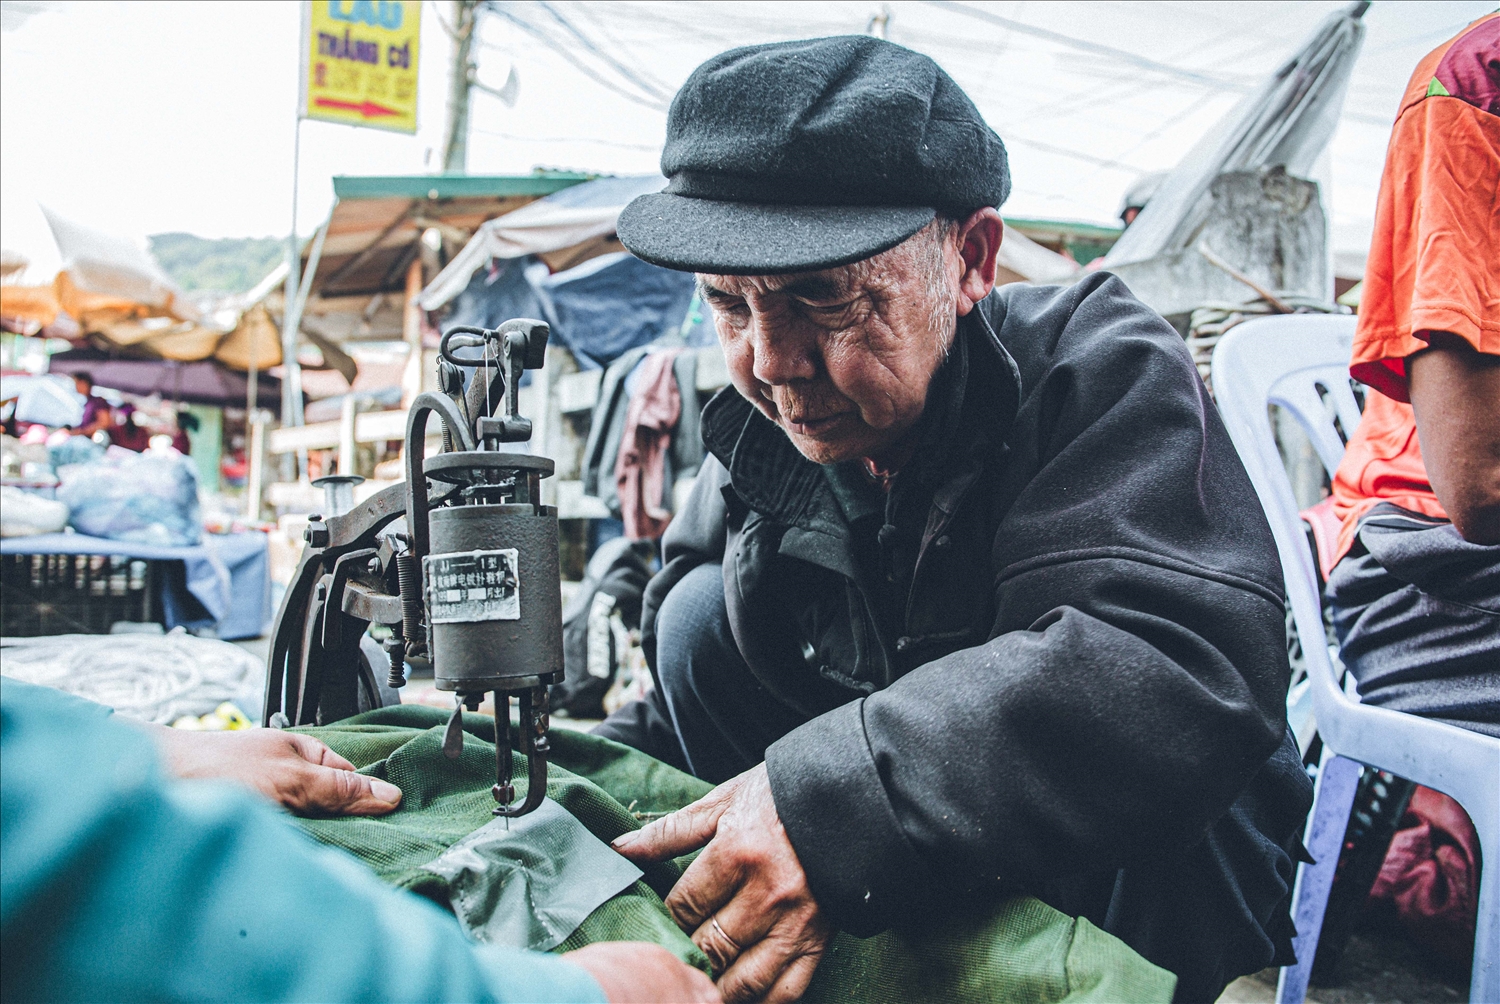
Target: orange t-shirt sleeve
point(1434, 260)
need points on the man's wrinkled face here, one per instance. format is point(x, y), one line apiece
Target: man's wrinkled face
point(842, 359)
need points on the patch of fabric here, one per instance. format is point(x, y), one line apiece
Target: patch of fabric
point(445, 800)
point(530, 881)
point(1431, 875)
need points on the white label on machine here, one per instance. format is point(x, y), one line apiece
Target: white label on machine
point(469, 586)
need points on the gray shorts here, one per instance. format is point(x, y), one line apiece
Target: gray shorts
point(1417, 612)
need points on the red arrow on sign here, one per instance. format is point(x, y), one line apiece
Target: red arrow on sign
point(366, 109)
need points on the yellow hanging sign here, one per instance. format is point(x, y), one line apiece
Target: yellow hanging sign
point(360, 62)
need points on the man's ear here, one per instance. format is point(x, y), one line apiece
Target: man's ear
point(978, 239)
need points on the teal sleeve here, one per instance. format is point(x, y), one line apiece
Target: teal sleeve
point(117, 884)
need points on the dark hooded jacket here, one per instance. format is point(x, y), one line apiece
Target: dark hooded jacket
point(1051, 659)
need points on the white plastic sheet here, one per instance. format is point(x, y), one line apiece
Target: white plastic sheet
point(23, 514)
point(102, 263)
point(1288, 121)
point(47, 399)
point(561, 220)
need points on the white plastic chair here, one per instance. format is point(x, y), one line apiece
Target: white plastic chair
point(1287, 361)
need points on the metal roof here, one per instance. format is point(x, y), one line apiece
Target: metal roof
point(1083, 242)
point(454, 186)
point(375, 227)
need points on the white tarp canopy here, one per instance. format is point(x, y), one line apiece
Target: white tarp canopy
point(112, 266)
point(1288, 120)
point(589, 211)
point(582, 213)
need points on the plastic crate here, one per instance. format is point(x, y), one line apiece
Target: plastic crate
point(47, 594)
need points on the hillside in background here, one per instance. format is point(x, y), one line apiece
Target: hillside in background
point(225, 265)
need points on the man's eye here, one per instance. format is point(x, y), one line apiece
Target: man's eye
point(736, 313)
point(827, 311)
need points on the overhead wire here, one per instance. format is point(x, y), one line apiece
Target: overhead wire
point(437, 11)
point(648, 147)
point(649, 87)
point(653, 104)
point(1063, 151)
point(647, 90)
point(1177, 117)
point(590, 13)
point(697, 32)
point(579, 53)
point(649, 100)
point(1094, 48)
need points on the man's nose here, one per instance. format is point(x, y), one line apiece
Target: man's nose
point(781, 356)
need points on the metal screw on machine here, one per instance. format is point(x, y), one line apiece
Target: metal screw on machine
point(316, 531)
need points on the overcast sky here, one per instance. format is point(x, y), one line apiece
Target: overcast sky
point(139, 118)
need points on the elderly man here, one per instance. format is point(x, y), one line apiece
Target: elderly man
point(972, 596)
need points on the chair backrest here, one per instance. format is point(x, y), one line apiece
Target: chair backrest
point(1299, 362)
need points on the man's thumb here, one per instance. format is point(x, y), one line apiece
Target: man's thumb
point(344, 792)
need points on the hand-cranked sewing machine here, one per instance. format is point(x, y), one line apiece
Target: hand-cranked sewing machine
point(472, 584)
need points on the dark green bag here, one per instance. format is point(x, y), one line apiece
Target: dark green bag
point(1022, 951)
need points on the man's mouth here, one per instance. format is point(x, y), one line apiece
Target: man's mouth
point(808, 426)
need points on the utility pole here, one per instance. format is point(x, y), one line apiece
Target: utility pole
point(456, 146)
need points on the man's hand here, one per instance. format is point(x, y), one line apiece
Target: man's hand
point(745, 900)
point(634, 971)
point(296, 770)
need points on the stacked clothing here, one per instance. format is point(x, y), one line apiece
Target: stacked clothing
point(633, 417)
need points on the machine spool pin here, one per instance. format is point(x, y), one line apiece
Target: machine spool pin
point(489, 589)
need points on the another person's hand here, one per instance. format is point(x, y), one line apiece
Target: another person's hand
point(296, 770)
point(745, 900)
point(638, 971)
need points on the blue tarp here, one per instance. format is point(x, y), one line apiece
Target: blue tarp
point(599, 310)
point(226, 584)
point(497, 293)
point(608, 306)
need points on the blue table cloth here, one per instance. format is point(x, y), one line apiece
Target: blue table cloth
point(226, 584)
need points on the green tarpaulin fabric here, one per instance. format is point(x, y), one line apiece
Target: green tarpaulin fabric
point(1022, 951)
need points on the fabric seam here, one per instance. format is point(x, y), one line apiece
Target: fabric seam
point(1019, 568)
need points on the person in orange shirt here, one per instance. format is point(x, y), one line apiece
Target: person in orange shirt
point(1416, 591)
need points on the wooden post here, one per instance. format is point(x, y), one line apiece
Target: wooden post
point(257, 448)
point(411, 333)
point(346, 436)
point(543, 384)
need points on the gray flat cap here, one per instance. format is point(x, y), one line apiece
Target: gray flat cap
point(797, 156)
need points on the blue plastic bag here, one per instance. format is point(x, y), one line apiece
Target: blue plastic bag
point(74, 450)
point(149, 498)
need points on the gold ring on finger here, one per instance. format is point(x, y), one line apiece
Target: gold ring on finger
point(714, 921)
